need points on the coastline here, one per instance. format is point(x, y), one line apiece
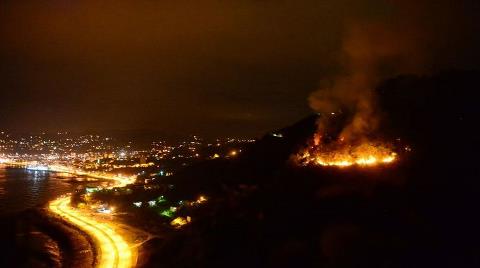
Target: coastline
point(66, 236)
point(48, 240)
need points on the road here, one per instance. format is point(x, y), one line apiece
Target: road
point(114, 251)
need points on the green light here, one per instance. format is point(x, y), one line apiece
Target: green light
point(91, 190)
point(161, 199)
point(169, 212)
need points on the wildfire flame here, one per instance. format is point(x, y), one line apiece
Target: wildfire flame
point(340, 154)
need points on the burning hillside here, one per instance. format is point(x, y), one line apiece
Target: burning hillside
point(342, 154)
point(337, 142)
point(350, 116)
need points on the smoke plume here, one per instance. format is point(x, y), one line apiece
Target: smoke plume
point(370, 52)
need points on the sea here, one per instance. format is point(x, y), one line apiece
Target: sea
point(21, 189)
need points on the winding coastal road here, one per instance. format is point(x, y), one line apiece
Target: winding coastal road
point(114, 251)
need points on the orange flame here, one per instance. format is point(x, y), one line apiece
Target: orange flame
point(344, 155)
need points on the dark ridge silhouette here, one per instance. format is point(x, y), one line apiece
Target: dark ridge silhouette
point(267, 155)
point(263, 211)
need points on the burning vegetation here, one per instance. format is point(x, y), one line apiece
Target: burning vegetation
point(347, 130)
point(345, 139)
point(343, 154)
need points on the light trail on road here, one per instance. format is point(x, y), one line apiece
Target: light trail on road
point(120, 181)
point(114, 251)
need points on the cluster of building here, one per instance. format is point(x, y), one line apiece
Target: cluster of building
point(99, 153)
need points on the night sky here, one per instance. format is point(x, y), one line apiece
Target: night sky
point(206, 67)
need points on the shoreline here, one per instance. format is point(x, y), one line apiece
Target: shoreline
point(59, 238)
point(113, 250)
point(20, 232)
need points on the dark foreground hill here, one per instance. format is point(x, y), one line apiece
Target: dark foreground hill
point(420, 212)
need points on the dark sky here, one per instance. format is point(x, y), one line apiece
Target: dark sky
point(209, 67)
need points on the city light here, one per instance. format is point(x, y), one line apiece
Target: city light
point(37, 167)
point(87, 158)
point(178, 222)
